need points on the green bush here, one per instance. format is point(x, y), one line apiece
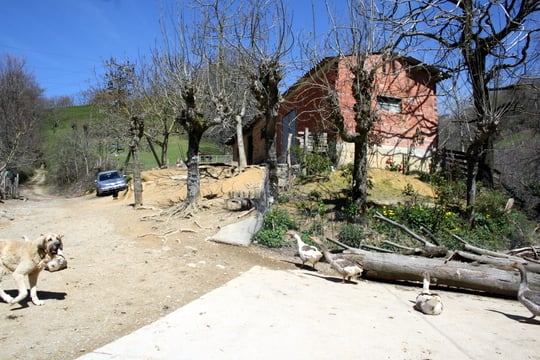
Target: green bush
point(313, 164)
point(270, 238)
point(351, 209)
point(276, 222)
point(440, 222)
point(448, 193)
point(493, 228)
point(408, 190)
point(312, 205)
point(315, 229)
point(351, 235)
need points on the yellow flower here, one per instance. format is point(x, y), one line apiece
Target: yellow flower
point(488, 216)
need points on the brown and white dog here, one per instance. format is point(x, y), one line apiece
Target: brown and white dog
point(27, 259)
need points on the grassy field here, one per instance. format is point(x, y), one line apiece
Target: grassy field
point(60, 125)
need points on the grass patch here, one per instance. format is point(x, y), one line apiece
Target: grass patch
point(82, 128)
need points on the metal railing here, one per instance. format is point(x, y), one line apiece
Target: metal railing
point(215, 159)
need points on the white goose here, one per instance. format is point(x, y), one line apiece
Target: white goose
point(307, 253)
point(426, 301)
point(347, 267)
point(529, 298)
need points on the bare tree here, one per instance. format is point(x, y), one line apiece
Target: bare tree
point(215, 67)
point(159, 120)
point(483, 44)
point(185, 73)
point(20, 108)
point(354, 39)
point(227, 80)
point(265, 40)
point(125, 111)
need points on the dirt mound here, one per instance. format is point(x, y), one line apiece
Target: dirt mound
point(164, 187)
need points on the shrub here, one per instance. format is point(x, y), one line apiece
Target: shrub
point(270, 238)
point(276, 222)
point(351, 235)
point(408, 190)
point(448, 193)
point(312, 205)
point(351, 209)
point(316, 229)
point(313, 164)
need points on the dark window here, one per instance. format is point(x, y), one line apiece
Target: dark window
point(388, 103)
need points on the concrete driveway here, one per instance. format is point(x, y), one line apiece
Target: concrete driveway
point(300, 314)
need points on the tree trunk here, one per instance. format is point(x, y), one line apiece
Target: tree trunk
point(359, 181)
point(137, 132)
point(193, 176)
point(472, 171)
point(137, 180)
point(271, 155)
point(240, 141)
point(165, 150)
point(468, 276)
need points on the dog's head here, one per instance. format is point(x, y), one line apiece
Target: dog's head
point(49, 244)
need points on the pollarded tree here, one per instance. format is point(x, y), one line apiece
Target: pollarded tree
point(227, 82)
point(362, 51)
point(264, 39)
point(483, 44)
point(185, 75)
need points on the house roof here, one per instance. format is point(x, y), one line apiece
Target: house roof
point(436, 74)
point(249, 124)
point(327, 61)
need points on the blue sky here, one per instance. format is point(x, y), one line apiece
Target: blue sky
point(65, 42)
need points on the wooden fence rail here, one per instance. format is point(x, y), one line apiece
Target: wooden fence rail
point(453, 162)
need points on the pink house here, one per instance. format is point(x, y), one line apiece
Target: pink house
point(404, 97)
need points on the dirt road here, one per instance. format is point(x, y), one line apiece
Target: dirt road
point(123, 272)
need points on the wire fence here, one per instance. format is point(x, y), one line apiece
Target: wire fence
point(9, 185)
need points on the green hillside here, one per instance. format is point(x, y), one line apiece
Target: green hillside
point(64, 127)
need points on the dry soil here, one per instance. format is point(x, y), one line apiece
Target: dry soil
point(126, 267)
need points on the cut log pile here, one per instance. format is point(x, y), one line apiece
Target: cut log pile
point(470, 268)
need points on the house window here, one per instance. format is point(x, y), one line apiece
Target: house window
point(388, 103)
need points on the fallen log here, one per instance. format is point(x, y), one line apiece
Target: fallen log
point(453, 274)
point(425, 251)
point(529, 251)
point(500, 260)
point(490, 257)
